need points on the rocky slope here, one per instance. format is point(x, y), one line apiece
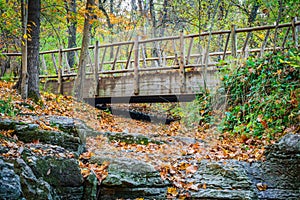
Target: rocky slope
point(39, 164)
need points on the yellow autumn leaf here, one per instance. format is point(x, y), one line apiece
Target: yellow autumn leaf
point(172, 191)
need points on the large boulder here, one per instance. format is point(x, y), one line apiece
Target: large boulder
point(280, 173)
point(54, 167)
point(130, 179)
point(222, 180)
point(33, 187)
point(72, 135)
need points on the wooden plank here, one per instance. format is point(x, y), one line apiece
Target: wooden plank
point(96, 68)
point(77, 58)
point(129, 57)
point(44, 64)
point(115, 59)
point(59, 75)
point(246, 43)
point(226, 45)
point(189, 51)
point(263, 46)
point(54, 62)
point(233, 41)
point(243, 30)
point(102, 62)
point(144, 55)
point(164, 62)
point(182, 64)
point(285, 37)
point(136, 88)
point(66, 61)
point(175, 53)
point(295, 32)
point(158, 53)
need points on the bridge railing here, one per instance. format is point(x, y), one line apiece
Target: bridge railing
point(182, 53)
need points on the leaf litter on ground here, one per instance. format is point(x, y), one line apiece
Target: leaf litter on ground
point(176, 158)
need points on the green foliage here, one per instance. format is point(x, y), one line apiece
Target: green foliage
point(7, 108)
point(197, 112)
point(7, 77)
point(263, 95)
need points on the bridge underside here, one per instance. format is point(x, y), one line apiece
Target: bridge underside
point(159, 87)
point(141, 99)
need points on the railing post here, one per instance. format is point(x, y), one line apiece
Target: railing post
point(264, 44)
point(54, 63)
point(44, 64)
point(233, 41)
point(136, 87)
point(295, 32)
point(96, 68)
point(182, 64)
point(226, 46)
point(59, 74)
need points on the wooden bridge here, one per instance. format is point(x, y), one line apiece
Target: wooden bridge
point(161, 69)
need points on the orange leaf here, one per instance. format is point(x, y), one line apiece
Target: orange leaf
point(191, 169)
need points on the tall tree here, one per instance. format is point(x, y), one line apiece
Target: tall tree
point(31, 72)
point(34, 11)
point(79, 82)
point(24, 75)
point(70, 6)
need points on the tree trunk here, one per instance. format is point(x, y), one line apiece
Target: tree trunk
point(24, 74)
point(79, 83)
point(164, 18)
point(72, 25)
point(33, 33)
point(253, 12)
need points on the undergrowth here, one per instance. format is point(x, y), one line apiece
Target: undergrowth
point(263, 95)
point(7, 108)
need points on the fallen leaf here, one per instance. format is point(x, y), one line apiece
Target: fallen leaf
point(172, 191)
point(262, 186)
point(191, 169)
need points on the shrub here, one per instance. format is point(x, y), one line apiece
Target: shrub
point(263, 94)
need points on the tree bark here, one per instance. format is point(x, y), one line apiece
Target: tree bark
point(24, 74)
point(34, 11)
point(79, 83)
point(164, 18)
point(72, 25)
point(33, 43)
point(253, 12)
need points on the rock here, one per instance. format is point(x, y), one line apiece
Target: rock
point(280, 171)
point(222, 180)
point(32, 187)
point(50, 137)
point(73, 139)
point(64, 124)
point(129, 178)
point(7, 124)
point(287, 147)
point(131, 138)
point(63, 174)
point(90, 187)
point(10, 187)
